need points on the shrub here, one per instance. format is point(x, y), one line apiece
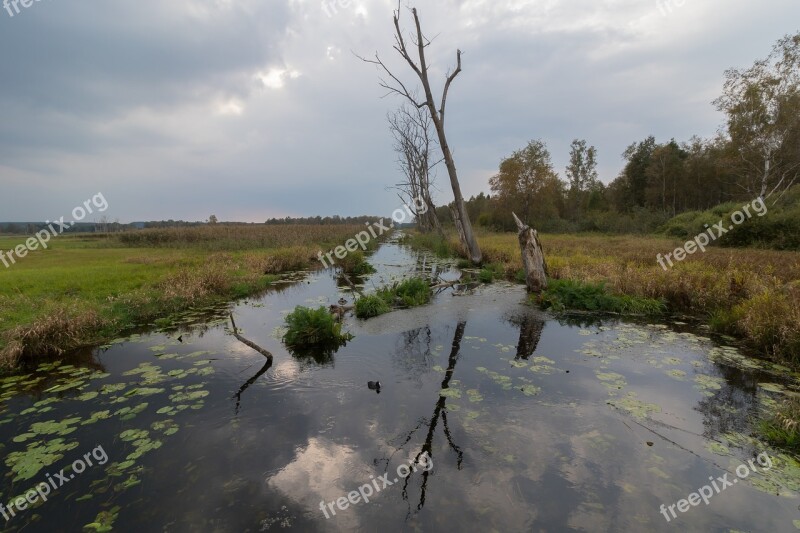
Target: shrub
point(370, 306)
point(309, 329)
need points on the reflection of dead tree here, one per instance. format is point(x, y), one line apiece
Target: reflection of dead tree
point(530, 331)
point(439, 411)
point(260, 373)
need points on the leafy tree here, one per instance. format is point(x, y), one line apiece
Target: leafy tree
point(664, 172)
point(581, 175)
point(633, 184)
point(763, 108)
point(527, 183)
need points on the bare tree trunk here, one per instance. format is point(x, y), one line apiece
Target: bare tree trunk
point(411, 129)
point(435, 219)
point(459, 226)
point(437, 116)
point(532, 257)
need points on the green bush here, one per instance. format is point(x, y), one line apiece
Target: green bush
point(313, 328)
point(562, 295)
point(370, 306)
point(778, 229)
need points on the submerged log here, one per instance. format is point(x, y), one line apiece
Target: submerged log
point(532, 257)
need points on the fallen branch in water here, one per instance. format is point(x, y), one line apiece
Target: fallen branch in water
point(352, 285)
point(251, 344)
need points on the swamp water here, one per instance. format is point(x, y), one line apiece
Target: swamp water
point(530, 423)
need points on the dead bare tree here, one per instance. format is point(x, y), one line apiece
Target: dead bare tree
point(396, 86)
point(411, 129)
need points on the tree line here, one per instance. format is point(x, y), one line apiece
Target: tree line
point(756, 152)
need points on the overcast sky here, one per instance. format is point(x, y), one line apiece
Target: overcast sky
point(251, 109)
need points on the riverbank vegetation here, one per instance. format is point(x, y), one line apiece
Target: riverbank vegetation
point(749, 293)
point(89, 288)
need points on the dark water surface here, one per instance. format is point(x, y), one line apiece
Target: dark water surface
point(530, 423)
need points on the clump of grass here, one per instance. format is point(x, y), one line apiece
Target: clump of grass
point(783, 427)
point(62, 329)
point(490, 272)
point(370, 306)
point(562, 295)
point(408, 293)
point(313, 330)
point(355, 264)
point(485, 276)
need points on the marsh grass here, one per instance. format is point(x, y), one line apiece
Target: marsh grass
point(783, 427)
point(562, 295)
point(411, 292)
point(229, 237)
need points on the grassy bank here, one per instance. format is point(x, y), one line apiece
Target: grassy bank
point(86, 289)
point(752, 294)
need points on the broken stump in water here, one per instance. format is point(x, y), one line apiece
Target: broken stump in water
point(532, 257)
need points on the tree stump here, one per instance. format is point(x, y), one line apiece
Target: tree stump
point(532, 257)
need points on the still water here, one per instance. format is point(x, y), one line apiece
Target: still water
point(515, 420)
